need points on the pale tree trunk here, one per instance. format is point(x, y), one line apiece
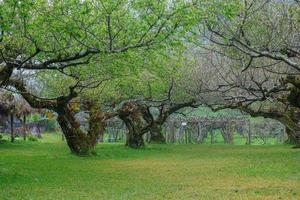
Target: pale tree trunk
point(228, 133)
point(172, 131)
point(201, 132)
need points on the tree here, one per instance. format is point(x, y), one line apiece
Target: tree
point(256, 61)
point(139, 120)
point(145, 107)
point(81, 44)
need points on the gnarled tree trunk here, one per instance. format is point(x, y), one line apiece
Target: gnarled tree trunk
point(134, 137)
point(293, 133)
point(138, 121)
point(290, 120)
point(293, 137)
point(80, 142)
point(156, 135)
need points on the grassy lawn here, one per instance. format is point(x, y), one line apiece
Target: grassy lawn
point(46, 170)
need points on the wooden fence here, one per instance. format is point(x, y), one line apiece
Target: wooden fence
point(199, 130)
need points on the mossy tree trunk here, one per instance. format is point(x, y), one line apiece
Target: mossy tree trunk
point(290, 120)
point(138, 121)
point(292, 130)
point(293, 138)
point(80, 142)
point(134, 138)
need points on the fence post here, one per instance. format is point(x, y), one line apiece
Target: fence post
point(249, 134)
point(212, 137)
point(12, 134)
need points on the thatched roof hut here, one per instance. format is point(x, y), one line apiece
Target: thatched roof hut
point(12, 103)
point(12, 108)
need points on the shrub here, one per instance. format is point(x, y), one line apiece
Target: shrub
point(32, 138)
point(1, 139)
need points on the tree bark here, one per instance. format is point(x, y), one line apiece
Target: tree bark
point(80, 142)
point(156, 135)
point(290, 120)
point(134, 139)
point(138, 121)
point(293, 137)
point(77, 140)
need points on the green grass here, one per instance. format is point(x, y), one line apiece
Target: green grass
point(46, 170)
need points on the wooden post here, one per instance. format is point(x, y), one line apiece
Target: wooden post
point(24, 126)
point(249, 134)
point(12, 134)
point(111, 135)
point(200, 136)
point(198, 131)
point(116, 135)
point(165, 131)
point(39, 131)
point(181, 135)
point(172, 132)
point(212, 137)
point(189, 136)
point(185, 136)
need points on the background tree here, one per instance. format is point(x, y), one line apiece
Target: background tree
point(254, 57)
point(147, 97)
